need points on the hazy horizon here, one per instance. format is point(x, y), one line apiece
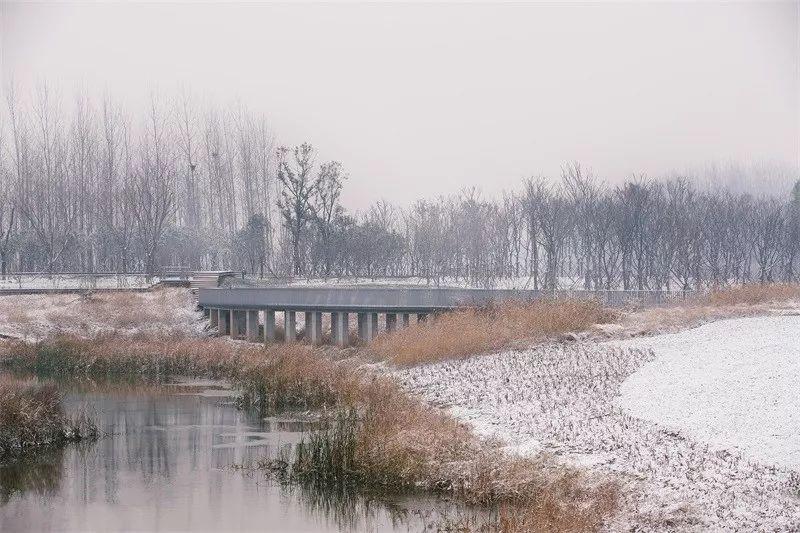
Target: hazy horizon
point(422, 100)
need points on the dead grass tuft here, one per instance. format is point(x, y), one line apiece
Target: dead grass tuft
point(718, 304)
point(31, 415)
point(753, 294)
point(475, 331)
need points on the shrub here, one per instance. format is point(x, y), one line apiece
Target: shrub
point(31, 415)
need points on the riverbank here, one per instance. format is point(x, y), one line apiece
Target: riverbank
point(399, 441)
point(401, 436)
point(167, 312)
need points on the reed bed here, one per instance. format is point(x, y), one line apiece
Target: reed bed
point(31, 416)
point(717, 304)
point(753, 294)
point(377, 436)
point(475, 331)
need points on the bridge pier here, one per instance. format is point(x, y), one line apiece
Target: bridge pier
point(269, 326)
point(362, 326)
point(289, 326)
point(238, 323)
point(245, 324)
point(341, 328)
point(224, 318)
point(334, 319)
point(372, 322)
point(252, 325)
point(391, 322)
point(307, 330)
point(231, 323)
point(367, 326)
point(314, 331)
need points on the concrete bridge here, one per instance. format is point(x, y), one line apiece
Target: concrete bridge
point(250, 312)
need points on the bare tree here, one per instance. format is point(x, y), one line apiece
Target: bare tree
point(152, 190)
point(327, 209)
point(7, 207)
point(768, 227)
point(298, 186)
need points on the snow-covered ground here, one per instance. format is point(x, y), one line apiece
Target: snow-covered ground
point(700, 427)
point(163, 312)
point(734, 384)
point(77, 282)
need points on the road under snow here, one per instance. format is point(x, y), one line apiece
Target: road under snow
point(700, 426)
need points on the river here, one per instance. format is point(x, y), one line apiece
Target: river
point(177, 456)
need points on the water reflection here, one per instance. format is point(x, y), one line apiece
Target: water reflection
point(167, 466)
point(39, 474)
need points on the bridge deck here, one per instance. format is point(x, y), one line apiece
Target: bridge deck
point(401, 300)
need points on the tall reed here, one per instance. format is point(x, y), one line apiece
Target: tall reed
point(474, 331)
point(31, 416)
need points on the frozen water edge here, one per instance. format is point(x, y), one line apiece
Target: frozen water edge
point(565, 400)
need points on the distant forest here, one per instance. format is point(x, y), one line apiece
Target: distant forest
point(83, 187)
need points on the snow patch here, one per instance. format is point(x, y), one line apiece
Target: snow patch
point(734, 384)
point(564, 399)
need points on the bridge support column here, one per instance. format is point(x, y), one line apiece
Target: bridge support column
point(406, 320)
point(334, 320)
point(307, 332)
point(314, 333)
point(224, 317)
point(367, 326)
point(341, 326)
point(238, 323)
point(422, 317)
point(269, 326)
point(391, 322)
point(233, 326)
point(252, 325)
point(214, 318)
point(289, 326)
point(372, 321)
point(362, 327)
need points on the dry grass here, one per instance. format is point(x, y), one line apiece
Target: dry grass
point(400, 442)
point(475, 331)
point(719, 304)
point(400, 439)
point(31, 415)
point(753, 294)
point(165, 312)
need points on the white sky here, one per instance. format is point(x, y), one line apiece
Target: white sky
point(420, 100)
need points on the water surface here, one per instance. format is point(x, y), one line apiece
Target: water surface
point(166, 465)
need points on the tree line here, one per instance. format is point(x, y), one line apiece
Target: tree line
point(84, 187)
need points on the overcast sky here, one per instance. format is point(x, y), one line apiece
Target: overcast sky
point(419, 100)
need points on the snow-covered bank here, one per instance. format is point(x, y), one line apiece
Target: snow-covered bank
point(564, 399)
point(76, 282)
point(734, 384)
point(162, 312)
